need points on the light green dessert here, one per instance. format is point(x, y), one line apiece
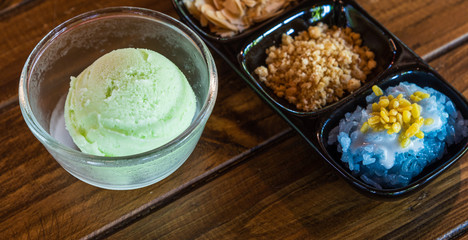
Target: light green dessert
point(128, 101)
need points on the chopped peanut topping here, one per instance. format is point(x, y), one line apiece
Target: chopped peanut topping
point(317, 67)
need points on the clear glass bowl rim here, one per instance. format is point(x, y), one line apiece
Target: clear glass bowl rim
point(140, 158)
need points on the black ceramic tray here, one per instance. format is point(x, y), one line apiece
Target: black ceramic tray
point(395, 63)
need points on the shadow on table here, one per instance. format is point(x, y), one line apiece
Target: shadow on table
point(331, 208)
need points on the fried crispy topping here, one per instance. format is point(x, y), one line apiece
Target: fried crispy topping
point(229, 17)
point(317, 67)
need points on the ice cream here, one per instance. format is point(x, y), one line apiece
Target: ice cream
point(128, 101)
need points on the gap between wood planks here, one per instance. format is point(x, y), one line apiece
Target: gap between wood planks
point(214, 173)
point(428, 58)
point(185, 189)
point(7, 8)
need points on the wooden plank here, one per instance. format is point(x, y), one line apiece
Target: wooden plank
point(36, 190)
point(39, 199)
point(24, 27)
point(298, 196)
point(288, 192)
point(22, 30)
point(422, 25)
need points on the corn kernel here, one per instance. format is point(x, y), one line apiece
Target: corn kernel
point(399, 118)
point(384, 115)
point(424, 95)
point(390, 97)
point(385, 110)
point(403, 102)
point(393, 112)
point(415, 98)
point(413, 129)
point(390, 132)
point(374, 120)
point(421, 95)
point(415, 111)
point(396, 127)
point(384, 102)
point(407, 108)
point(395, 104)
point(406, 116)
point(378, 91)
point(392, 119)
point(375, 107)
point(428, 121)
point(419, 134)
point(364, 127)
point(400, 96)
point(387, 126)
point(405, 142)
point(420, 121)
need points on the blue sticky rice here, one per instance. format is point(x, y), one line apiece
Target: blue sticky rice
point(377, 157)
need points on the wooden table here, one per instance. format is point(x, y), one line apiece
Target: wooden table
point(250, 177)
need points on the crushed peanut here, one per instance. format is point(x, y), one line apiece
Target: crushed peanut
point(229, 17)
point(317, 67)
point(397, 115)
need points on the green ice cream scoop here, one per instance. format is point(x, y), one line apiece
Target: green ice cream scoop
point(127, 102)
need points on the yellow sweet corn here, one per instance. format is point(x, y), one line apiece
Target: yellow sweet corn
point(406, 116)
point(405, 142)
point(419, 134)
point(396, 127)
point(415, 111)
point(384, 102)
point(395, 114)
point(365, 127)
point(428, 121)
point(378, 91)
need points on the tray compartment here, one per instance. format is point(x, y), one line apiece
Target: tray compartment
point(207, 34)
point(422, 76)
point(377, 39)
point(395, 63)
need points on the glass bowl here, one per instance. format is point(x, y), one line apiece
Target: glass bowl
point(75, 44)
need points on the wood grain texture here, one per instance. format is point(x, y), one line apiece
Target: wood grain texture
point(39, 200)
point(37, 192)
point(422, 25)
point(298, 196)
point(288, 192)
point(24, 27)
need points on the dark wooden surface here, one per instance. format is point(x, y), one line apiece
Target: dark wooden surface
point(250, 176)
